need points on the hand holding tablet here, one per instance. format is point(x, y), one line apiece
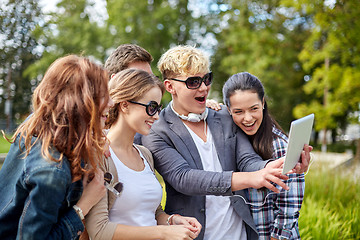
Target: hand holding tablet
point(299, 135)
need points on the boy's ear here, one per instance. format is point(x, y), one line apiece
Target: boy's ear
point(169, 86)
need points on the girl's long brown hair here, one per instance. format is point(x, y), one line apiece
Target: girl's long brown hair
point(67, 107)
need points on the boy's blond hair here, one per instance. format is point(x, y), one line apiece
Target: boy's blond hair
point(183, 60)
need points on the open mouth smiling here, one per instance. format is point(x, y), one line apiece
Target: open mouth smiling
point(200, 99)
point(249, 125)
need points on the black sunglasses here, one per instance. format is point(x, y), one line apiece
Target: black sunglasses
point(152, 107)
point(116, 187)
point(195, 82)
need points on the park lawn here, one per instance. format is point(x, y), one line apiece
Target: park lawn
point(331, 205)
point(4, 145)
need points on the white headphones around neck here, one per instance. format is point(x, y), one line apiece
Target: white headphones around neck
point(191, 117)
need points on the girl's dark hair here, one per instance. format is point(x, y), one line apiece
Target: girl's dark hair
point(263, 138)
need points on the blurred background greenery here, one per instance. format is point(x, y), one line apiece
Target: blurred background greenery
point(307, 54)
point(331, 204)
point(4, 145)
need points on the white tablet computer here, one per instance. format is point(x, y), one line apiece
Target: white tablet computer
point(300, 131)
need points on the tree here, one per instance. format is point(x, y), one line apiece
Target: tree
point(264, 38)
point(18, 49)
point(154, 25)
point(69, 30)
point(332, 56)
point(157, 25)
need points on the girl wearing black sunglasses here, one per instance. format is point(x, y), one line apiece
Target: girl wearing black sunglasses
point(135, 211)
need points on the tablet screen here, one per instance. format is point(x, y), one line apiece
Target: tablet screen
point(299, 135)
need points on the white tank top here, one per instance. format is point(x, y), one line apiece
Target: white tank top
point(140, 197)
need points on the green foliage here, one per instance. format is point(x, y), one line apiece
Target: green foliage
point(18, 50)
point(305, 52)
point(70, 30)
point(331, 57)
point(157, 25)
point(320, 221)
point(264, 39)
point(331, 206)
point(338, 147)
point(4, 145)
point(154, 25)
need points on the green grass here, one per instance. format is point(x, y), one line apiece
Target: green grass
point(4, 145)
point(331, 207)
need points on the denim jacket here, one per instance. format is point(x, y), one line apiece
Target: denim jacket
point(37, 195)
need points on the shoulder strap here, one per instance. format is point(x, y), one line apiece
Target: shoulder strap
point(148, 156)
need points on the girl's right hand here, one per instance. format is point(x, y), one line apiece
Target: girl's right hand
point(94, 190)
point(177, 232)
point(189, 222)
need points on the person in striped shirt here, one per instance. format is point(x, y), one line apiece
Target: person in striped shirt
point(275, 214)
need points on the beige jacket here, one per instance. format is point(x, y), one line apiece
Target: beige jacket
point(97, 221)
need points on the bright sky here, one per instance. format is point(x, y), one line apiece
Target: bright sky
point(97, 13)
